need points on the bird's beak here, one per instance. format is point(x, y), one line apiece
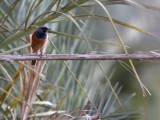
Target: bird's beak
point(49, 29)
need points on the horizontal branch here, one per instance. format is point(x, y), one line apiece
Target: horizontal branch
point(87, 56)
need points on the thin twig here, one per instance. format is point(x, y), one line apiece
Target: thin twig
point(86, 56)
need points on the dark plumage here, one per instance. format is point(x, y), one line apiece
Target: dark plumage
point(41, 32)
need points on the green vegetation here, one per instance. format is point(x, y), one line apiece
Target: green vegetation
point(65, 90)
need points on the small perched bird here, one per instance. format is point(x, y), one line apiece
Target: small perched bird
point(39, 38)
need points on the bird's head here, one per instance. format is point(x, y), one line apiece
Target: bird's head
point(42, 29)
point(41, 32)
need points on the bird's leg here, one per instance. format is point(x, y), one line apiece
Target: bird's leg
point(41, 54)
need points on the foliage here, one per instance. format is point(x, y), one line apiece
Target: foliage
point(61, 89)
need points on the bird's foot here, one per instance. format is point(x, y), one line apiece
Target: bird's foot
point(41, 54)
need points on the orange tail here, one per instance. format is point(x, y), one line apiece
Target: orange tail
point(33, 62)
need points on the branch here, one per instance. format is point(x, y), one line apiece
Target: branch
point(87, 56)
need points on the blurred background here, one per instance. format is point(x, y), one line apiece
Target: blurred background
point(60, 87)
point(147, 20)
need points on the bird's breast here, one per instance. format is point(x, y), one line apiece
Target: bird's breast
point(37, 43)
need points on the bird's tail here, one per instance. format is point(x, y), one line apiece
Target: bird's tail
point(34, 61)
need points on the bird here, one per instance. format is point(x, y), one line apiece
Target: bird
point(39, 38)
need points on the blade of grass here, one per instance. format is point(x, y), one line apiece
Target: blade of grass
point(124, 2)
point(4, 95)
point(10, 9)
point(58, 4)
point(106, 19)
point(74, 76)
point(123, 46)
point(51, 5)
point(45, 12)
point(114, 20)
point(11, 31)
point(108, 81)
point(13, 105)
point(29, 14)
point(20, 95)
point(138, 5)
point(6, 92)
point(30, 29)
point(110, 101)
point(80, 38)
point(90, 48)
point(15, 49)
point(72, 14)
point(35, 72)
